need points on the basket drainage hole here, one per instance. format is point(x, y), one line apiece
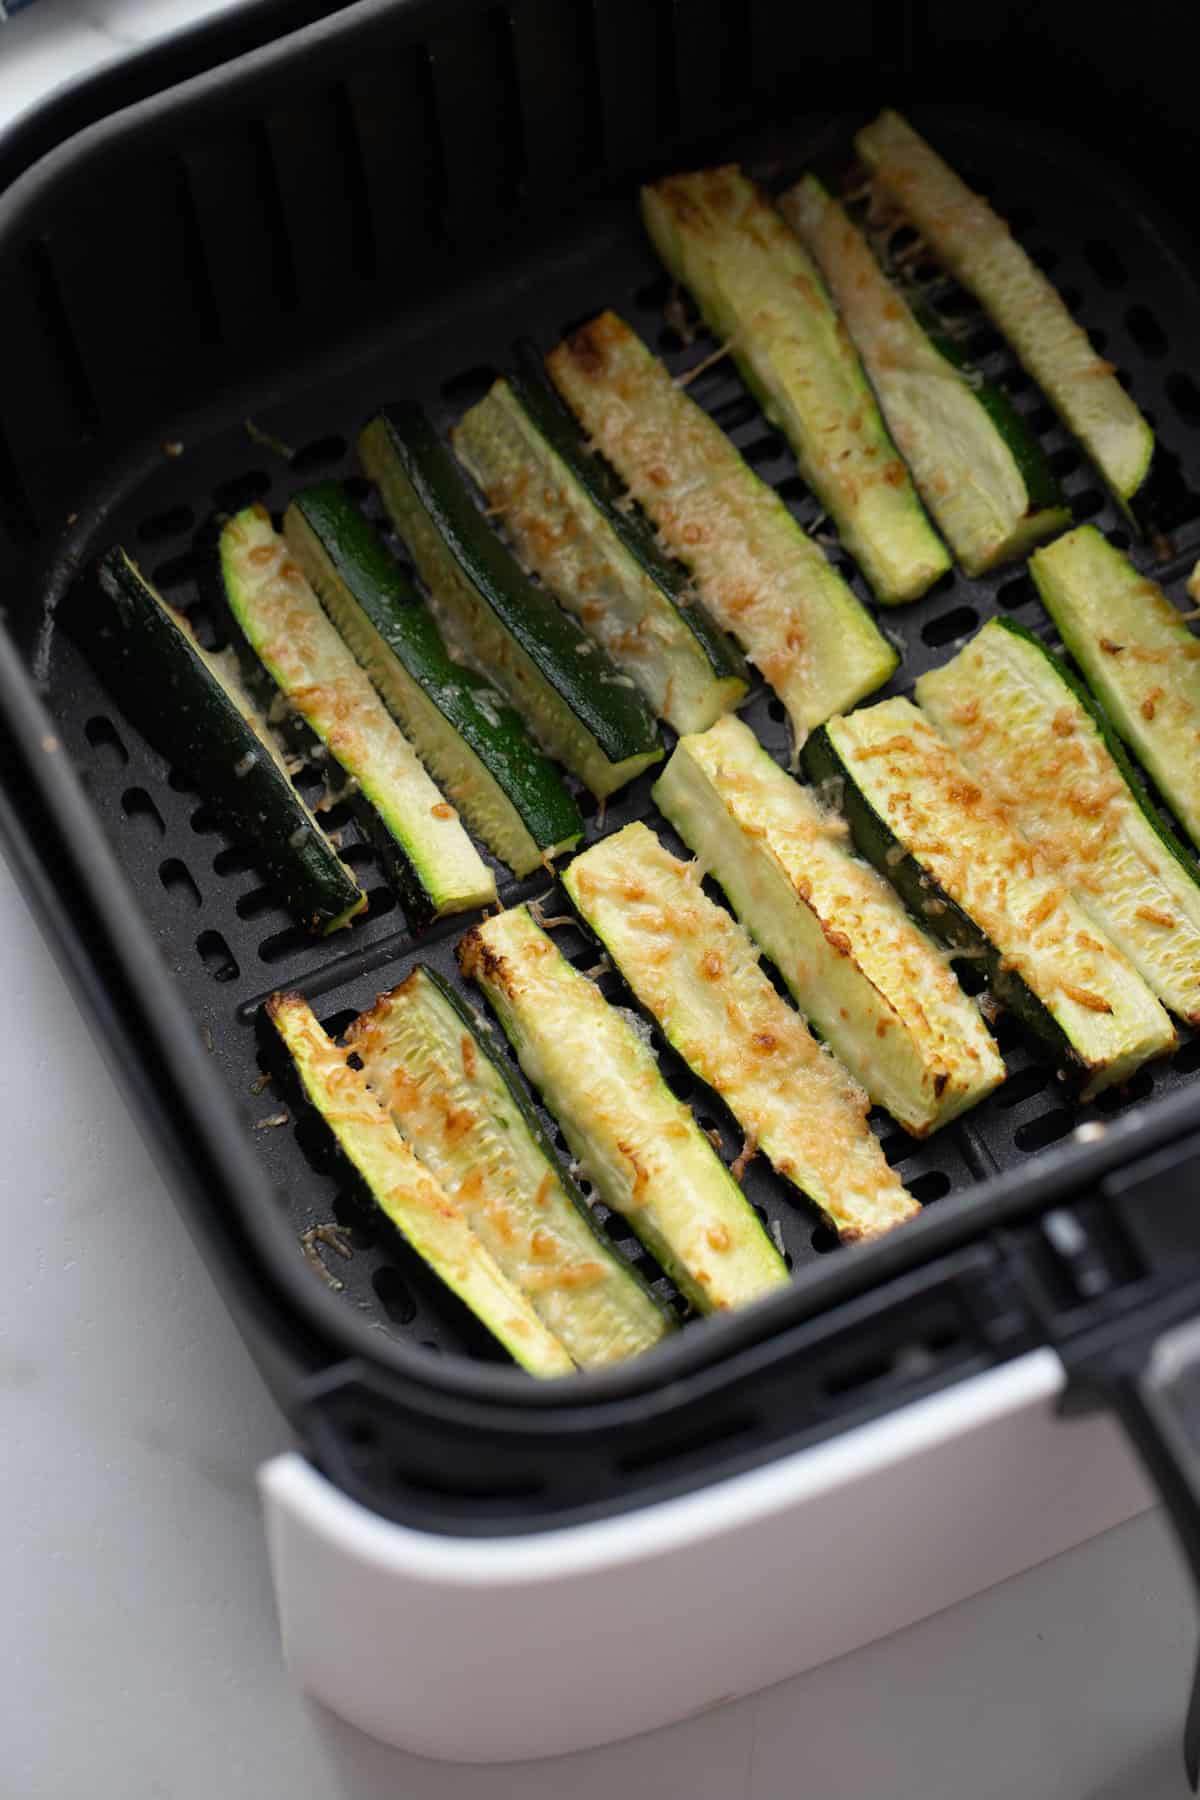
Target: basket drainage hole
point(140, 809)
point(824, 1239)
point(933, 1185)
point(951, 625)
point(469, 385)
point(1107, 264)
point(103, 736)
point(394, 1297)
point(231, 496)
point(216, 956)
point(176, 877)
point(319, 454)
point(1184, 396)
point(777, 711)
point(1022, 1086)
point(173, 522)
point(1089, 503)
point(1187, 1060)
point(1146, 331)
point(1047, 1128)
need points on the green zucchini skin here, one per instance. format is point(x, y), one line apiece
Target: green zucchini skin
point(567, 688)
point(429, 858)
point(194, 715)
point(1041, 483)
point(480, 751)
point(930, 905)
point(1129, 772)
point(545, 408)
point(454, 1098)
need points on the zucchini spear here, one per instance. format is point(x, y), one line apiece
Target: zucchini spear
point(1138, 655)
point(578, 703)
point(407, 1193)
point(695, 970)
point(638, 1144)
point(964, 870)
point(759, 574)
point(1026, 726)
point(472, 742)
point(193, 708)
point(976, 246)
point(564, 512)
point(457, 1105)
point(433, 861)
point(758, 289)
point(879, 992)
point(978, 469)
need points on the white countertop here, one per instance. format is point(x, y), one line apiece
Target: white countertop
point(138, 1655)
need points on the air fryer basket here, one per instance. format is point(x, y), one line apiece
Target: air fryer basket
point(376, 207)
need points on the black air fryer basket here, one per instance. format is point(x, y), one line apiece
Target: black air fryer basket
point(375, 205)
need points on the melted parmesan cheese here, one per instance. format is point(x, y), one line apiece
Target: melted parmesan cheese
point(875, 986)
point(1138, 655)
point(636, 1142)
point(968, 844)
point(757, 287)
point(964, 470)
point(760, 576)
point(694, 968)
point(416, 1203)
point(286, 627)
point(976, 246)
point(1014, 721)
point(455, 1109)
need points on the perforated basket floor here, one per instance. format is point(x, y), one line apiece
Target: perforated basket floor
point(221, 930)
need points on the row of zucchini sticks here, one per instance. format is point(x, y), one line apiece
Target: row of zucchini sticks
point(999, 818)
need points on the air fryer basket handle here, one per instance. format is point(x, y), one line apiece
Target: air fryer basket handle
point(1154, 1388)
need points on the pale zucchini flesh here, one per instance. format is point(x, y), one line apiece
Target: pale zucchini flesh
point(695, 970)
point(407, 1193)
point(955, 855)
point(457, 1107)
point(964, 470)
point(757, 288)
point(639, 1146)
point(877, 989)
point(1138, 655)
point(284, 624)
point(1016, 718)
point(688, 676)
point(761, 577)
point(978, 249)
point(577, 703)
point(472, 742)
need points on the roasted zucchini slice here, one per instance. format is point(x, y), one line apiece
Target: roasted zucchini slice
point(407, 1193)
point(758, 289)
point(472, 742)
point(875, 987)
point(978, 249)
point(564, 513)
point(693, 967)
point(1023, 723)
point(761, 577)
point(468, 1122)
point(579, 705)
point(191, 705)
point(638, 1144)
point(434, 863)
point(977, 467)
point(962, 867)
point(1138, 655)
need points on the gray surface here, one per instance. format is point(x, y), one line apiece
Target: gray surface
point(137, 1633)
